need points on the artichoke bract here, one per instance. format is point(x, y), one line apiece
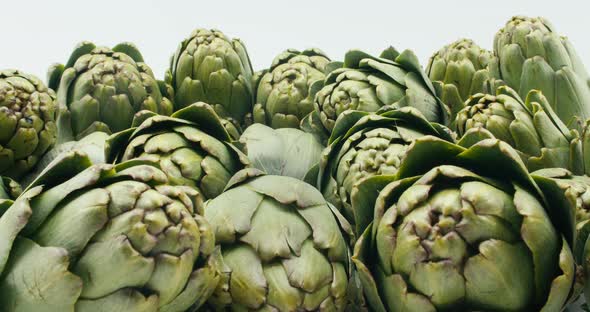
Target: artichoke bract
point(283, 247)
point(9, 190)
point(530, 54)
point(465, 229)
point(100, 89)
point(105, 238)
point(458, 71)
point(577, 191)
point(191, 146)
point(368, 83)
point(285, 152)
point(92, 145)
point(28, 113)
point(209, 67)
point(365, 144)
point(282, 93)
point(531, 127)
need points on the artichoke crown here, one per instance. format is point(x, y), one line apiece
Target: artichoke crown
point(458, 71)
point(530, 126)
point(211, 68)
point(368, 83)
point(100, 89)
point(450, 227)
point(191, 146)
point(283, 94)
point(27, 122)
point(529, 54)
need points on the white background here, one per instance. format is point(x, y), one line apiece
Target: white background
point(37, 33)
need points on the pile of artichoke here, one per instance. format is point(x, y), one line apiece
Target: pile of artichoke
point(363, 184)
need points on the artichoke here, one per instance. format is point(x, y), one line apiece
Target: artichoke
point(283, 95)
point(283, 248)
point(105, 238)
point(368, 83)
point(191, 147)
point(531, 55)
point(209, 67)
point(458, 71)
point(531, 127)
point(285, 152)
point(458, 229)
point(100, 89)
point(27, 122)
point(365, 144)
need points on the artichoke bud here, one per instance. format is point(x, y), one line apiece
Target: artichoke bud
point(283, 94)
point(463, 218)
point(100, 89)
point(282, 246)
point(462, 69)
point(124, 238)
point(368, 83)
point(28, 112)
point(191, 146)
point(210, 67)
point(530, 126)
point(529, 54)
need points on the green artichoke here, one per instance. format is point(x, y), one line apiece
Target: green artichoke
point(458, 71)
point(27, 122)
point(464, 230)
point(100, 89)
point(530, 54)
point(368, 83)
point(531, 127)
point(209, 67)
point(285, 152)
point(105, 238)
point(283, 247)
point(363, 145)
point(191, 147)
point(282, 92)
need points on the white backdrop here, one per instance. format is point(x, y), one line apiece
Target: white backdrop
point(38, 33)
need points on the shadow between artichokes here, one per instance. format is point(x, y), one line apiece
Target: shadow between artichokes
point(28, 113)
point(105, 237)
point(100, 89)
point(283, 247)
point(465, 229)
point(366, 144)
point(191, 146)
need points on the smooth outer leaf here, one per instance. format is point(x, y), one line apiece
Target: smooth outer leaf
point(285, 152)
